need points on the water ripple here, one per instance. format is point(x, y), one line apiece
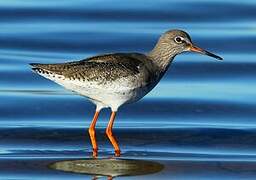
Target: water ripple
point(199, 121)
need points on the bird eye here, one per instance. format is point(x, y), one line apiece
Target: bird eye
point(178, 39)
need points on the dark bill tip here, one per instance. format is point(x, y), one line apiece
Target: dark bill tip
point(202, 51)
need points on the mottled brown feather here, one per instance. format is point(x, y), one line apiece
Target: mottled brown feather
point(100, 68)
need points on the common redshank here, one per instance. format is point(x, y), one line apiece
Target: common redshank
point(112, 80)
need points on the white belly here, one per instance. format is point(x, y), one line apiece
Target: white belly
point(110, 94)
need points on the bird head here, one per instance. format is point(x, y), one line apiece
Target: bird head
point(179, 41)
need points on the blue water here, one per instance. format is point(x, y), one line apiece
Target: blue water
point(199, 122)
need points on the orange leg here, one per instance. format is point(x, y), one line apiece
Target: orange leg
point(93, 134)
point(110, 134)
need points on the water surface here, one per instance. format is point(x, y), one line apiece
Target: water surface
point(199, 122)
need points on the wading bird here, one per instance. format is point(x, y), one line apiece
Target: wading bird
point(112, 80)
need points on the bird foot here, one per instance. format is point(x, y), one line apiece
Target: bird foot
point(94, 153)
point(117, 153)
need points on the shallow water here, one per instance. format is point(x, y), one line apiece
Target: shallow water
point(199, 122)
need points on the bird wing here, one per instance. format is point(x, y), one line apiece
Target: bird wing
point(100, 69)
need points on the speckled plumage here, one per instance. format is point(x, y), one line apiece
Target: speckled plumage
point(123, 77)
point(101, 69)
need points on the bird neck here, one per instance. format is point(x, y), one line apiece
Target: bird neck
point(162, 55)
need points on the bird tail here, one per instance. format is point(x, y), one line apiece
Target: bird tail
point(49, 71)
point(38, 68)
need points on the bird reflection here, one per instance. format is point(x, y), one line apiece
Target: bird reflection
point(97, 177)
point(109, 168)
